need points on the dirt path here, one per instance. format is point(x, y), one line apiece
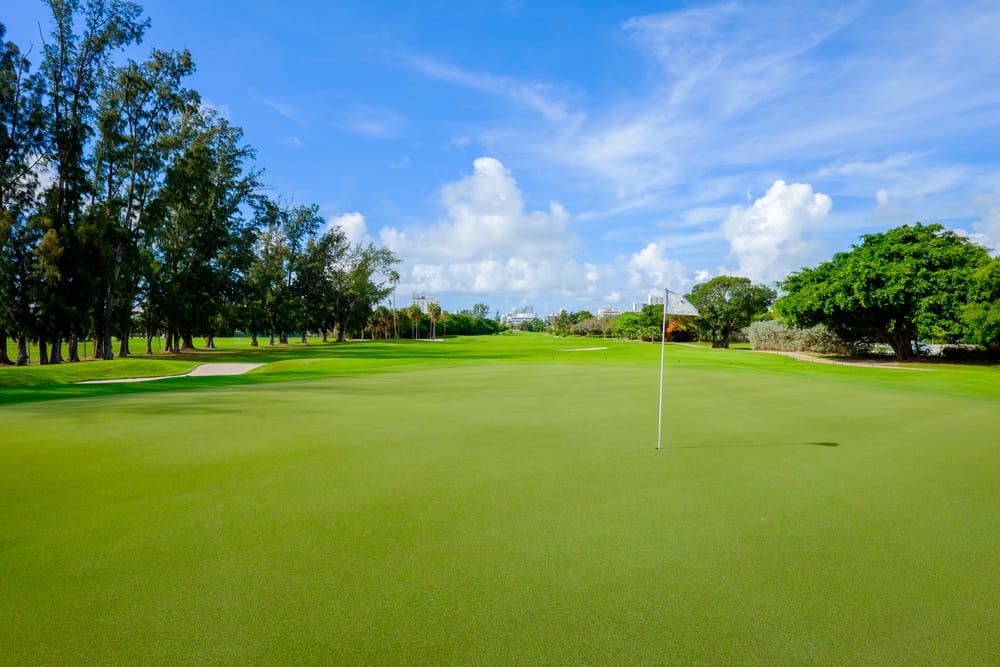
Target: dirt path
point(804, 356)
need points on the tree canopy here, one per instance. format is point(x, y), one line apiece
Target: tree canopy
point(727, 304)
point(896, 286)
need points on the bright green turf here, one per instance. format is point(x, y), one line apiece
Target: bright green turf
point(499, 501)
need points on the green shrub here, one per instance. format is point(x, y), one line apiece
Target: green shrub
point(775, 335)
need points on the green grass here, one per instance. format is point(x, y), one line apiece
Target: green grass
point(500, 501)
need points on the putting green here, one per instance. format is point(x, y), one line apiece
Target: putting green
point(498, 501)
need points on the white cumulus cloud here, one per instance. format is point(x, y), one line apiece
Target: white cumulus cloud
point(489, 242)
point(771, 237)
point(353, 225)
point(988, 228)
point(650, 270)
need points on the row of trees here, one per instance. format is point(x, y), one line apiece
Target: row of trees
point(895, 288)
point(384, 323)
point(127, 204)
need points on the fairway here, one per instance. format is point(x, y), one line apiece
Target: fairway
point(499, 500)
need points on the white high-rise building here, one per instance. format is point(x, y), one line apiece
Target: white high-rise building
point(520, 315)
point(423, 300)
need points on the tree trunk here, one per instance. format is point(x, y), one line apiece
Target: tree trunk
point(56, 355)
point(149, 343)
point(168, 340)
point(253, 339)
point(123, 345)
point(303, 341)
point(73, 348)
point(22, 351)
point(902, 345)
point(210, 342)
point(188, 342)
point(270, 340)
point(107, 354)
point(43, 351)
point(4, 359)
point(325, 340)
point(283, 338)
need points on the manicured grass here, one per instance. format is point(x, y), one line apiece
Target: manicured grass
point(500, 501)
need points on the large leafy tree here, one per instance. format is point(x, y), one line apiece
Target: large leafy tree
point(894, 287)
point(981, 317)
point(727, 304)
point(629, 325)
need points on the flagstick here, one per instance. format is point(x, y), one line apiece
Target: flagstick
point(663, 347)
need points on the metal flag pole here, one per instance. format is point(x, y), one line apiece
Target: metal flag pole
point(663, 347)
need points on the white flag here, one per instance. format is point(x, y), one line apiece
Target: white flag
point(678, 305)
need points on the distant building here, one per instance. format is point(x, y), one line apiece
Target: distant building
point(521, 315)
point(654, 300)
point(608, 312)
point(423, 300)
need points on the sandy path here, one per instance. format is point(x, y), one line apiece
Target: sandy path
point(802, 356)
point(204, 370)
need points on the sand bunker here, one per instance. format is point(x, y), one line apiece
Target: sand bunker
point(204, 370)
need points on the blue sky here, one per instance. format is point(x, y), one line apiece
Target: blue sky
point(583, 154)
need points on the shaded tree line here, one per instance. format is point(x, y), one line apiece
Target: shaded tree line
point(128, 206)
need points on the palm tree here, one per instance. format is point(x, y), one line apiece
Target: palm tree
point(434, 311)
point(415, 315)
point(383, 321)
point(394, 280)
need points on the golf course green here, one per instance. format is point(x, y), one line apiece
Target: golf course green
point(500, 500)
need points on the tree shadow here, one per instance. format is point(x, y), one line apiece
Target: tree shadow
point(763, 444)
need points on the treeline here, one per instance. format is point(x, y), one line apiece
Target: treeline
point(645, 325)
point(128, 206)
point(894, 289)
point(412, 322)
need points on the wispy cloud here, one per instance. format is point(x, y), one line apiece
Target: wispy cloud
point(373, 122)
point(289, 111)
point(541, 97)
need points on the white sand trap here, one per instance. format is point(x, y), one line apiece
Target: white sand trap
point(222, 369)
point(204, 370)
point(584, 349)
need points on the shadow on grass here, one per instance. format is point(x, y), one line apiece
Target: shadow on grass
point(375, 357)
point(770, 444)
point(379, 350)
